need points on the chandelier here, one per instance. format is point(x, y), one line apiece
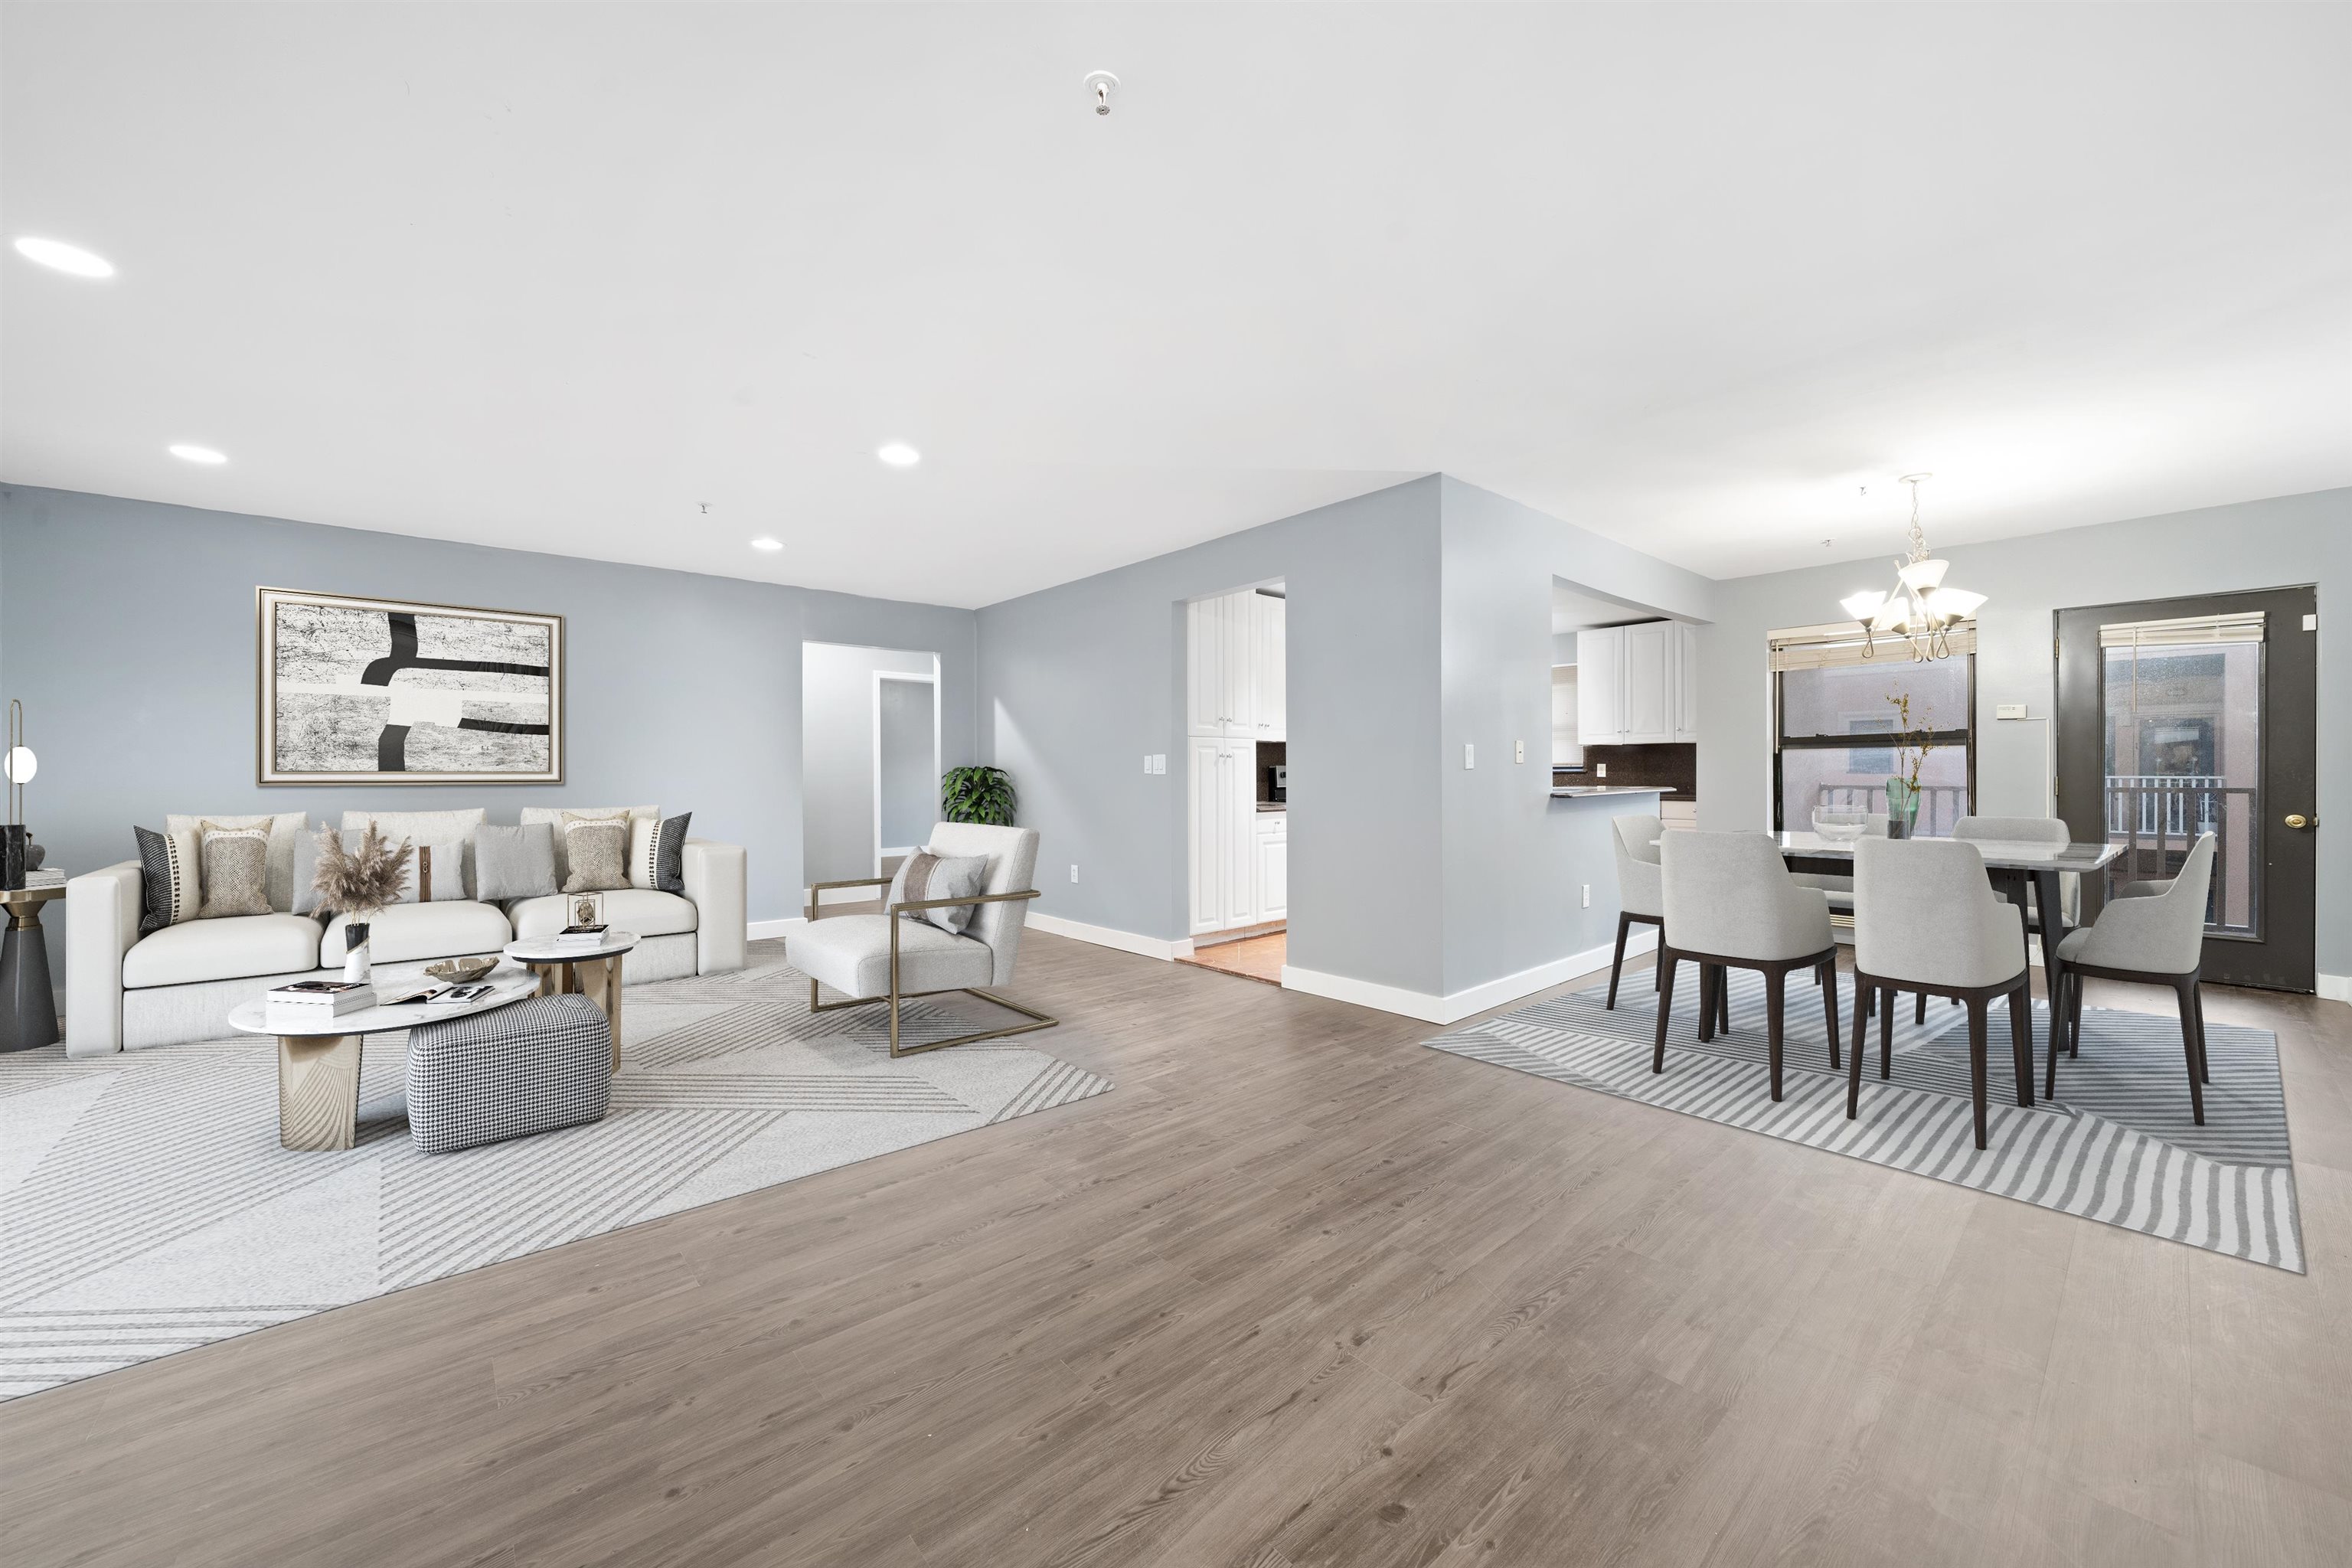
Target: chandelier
point(1921, 608)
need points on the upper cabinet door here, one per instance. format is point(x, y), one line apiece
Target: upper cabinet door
point(1685, 683)
point(1204, 681)
point(1599, 672)
point(1648, 713)
point(1269, 673)
point(1241, 702)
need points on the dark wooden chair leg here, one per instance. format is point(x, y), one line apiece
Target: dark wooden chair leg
point(1776, 982)
point(2186, 993)
point(1665, 1006)
point(1919, 1013)
point(1723, 1000)
point(1617, 965)
point(1887, 1032)
point(1858, 1046)
point(2021, 1038)
point(1826, 974)
point(2057, 1032)
point(1706, 981)
point(2197, 1001)
point(1976, 1062)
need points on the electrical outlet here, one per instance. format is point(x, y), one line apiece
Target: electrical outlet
point(1600, 770)
point(1587, 895)
point(1074, 871)
point(1469, 755)
point(1518, 751)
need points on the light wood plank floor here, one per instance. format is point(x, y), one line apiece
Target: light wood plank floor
point(1299, 1292)
point(1253, 957)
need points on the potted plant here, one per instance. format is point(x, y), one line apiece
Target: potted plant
point(1910, 756)
point(977, 794)
point(355, 882)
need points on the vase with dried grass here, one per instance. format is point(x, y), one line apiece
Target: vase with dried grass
point(355, 882)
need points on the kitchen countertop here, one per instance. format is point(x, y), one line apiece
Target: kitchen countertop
point(1581, 791)
point(1273, 805)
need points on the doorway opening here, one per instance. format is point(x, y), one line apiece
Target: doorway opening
point(1237, 780)
point(869, 760)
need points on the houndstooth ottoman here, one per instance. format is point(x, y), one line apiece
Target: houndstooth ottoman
point(509, 1072)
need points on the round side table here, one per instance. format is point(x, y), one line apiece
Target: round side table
point(592, 971)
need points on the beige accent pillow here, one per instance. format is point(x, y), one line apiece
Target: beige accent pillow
point(286, 831)
point(553, 817)
point(236, 870)
point(595, 851)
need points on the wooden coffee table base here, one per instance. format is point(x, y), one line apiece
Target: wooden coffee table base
point(318, 1092)
point(598, 979)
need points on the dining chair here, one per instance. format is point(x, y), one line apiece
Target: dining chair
point(2154, 938)
point(2013, 830)
point(1731, 904)
point(1927, 920)
point(1639, 902)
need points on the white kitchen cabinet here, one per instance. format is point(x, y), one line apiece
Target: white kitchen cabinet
point(1599, 673)
point(1273, 866)
point(1223, 800)
point(1204, 667)
point(1269, 670)
point(1241, 681)
point(1646, 712)
point(1685, 683)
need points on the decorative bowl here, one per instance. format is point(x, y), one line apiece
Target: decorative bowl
point(1841, 827)
point(461, 971)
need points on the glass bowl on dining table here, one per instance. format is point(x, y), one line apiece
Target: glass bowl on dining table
point(1841, 827)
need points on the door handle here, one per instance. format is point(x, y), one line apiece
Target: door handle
point(2297, 820)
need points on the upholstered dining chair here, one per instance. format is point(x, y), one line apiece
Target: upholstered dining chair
point(898, 954)
point(1731, 904)
point(1634, 839)
point(2157, 938)
point(1927, 920)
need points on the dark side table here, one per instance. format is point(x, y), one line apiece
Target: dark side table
point(28, 1008)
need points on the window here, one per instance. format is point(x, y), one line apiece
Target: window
point(1834, 711)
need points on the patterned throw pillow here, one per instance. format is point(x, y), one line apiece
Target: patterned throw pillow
point(236, 870)
point(553, 817)
point(597, 849)
point(169, 877)
point(658, 853)
point(924, 875)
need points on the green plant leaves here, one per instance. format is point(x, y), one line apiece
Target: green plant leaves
point(977, 794)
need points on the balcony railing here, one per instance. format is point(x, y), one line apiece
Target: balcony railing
point(1940, 805)
point(2156, 818)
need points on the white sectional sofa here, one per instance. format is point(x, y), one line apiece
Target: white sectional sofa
point(125, 992)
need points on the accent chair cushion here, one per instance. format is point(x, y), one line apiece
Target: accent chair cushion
point(638, 910)
point(229, 948)
point(405, 931)
point(851, 954)
point(926, 875)
point(514, 862)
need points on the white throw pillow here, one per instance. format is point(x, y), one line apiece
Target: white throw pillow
point(428, 827)
point(286, 829)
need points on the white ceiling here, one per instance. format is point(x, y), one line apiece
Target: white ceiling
point(553, 277)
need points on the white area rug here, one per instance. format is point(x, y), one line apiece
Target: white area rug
point(145, 1206)
point(2117, 1145)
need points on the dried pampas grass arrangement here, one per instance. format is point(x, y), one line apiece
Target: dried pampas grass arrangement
point(359, 881)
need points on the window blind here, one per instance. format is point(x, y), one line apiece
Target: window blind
point(1842, 643)
point(2244, 625)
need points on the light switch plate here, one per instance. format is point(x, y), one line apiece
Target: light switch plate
point(1518, 751)
point(1469, 755)
point(1074, 871)
point(1147, 762)
point(2008, 711)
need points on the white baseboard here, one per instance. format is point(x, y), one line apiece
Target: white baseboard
point(1104, 936)
point(1461, 1004)
point(767, 931)
point(2336, 987)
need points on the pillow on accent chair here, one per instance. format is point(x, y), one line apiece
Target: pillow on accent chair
point(596, 850)
point(658, 853)
point(514, 862)
point(170, 880)
point(924, 875)
point(234, 870)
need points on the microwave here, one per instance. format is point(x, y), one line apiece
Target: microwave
point(1282, 781)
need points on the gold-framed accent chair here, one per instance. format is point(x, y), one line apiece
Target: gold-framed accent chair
point(889, 957)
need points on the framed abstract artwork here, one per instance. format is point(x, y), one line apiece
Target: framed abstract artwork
point(377, 690)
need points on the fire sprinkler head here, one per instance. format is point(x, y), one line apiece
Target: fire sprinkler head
point(1100, 83)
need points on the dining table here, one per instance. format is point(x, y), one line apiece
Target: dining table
point(2011, 865)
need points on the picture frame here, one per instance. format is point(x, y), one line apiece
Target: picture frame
point(350, 689)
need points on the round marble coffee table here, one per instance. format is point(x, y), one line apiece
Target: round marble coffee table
point(319, 1060)
point(591, 969)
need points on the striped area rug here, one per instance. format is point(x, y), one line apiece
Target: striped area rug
point(145, 1206)
point(2118, 1145)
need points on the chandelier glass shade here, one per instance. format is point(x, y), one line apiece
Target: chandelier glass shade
point(1921, 610)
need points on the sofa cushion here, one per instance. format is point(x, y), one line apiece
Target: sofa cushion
point(852, 954)
point(437, 930)
point(638, 910)
point(224, 948)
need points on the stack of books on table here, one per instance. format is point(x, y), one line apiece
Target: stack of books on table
point(581, 936)
point(315, 1001)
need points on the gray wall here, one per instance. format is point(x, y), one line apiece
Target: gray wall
point(837, 755)
point(1516, 860)
point(1080, 681)
point(127, 627)
point(2289, 539)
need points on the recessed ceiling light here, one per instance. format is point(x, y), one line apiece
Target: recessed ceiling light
point(203, 455)
point(898, 455)
point(65, 258)
point(767, 544)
